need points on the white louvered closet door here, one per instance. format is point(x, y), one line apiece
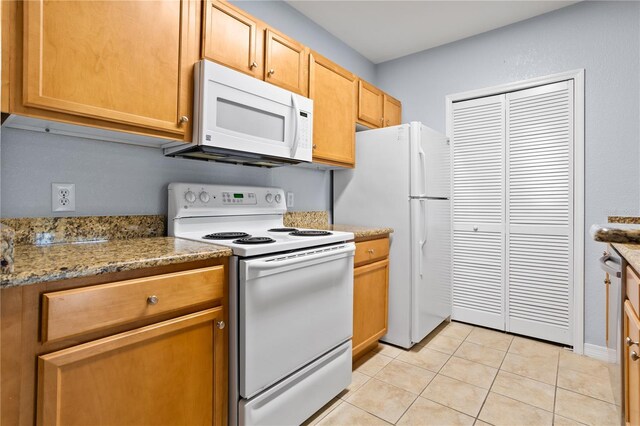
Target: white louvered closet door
point(478, 211)
point(539, 210)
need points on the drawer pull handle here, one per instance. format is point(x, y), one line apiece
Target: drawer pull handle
point(152, 300)
point(629, 341)
point(370, 251)
point(220, 324)
point(634, 356)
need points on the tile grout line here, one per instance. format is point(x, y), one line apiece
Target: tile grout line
point(494, 379)
point(555, 390)
point(436, 373)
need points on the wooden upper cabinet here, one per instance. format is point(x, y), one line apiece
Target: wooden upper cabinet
point(370, 104)
point(172, 372)
point(392, 111)
point(286, 62)
point(123, 62)
point(233, 38)
point(333, 90)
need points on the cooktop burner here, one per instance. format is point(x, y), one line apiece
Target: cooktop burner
point(282, 229)
point(309, 233)
point(255, 240)
point(226, 236)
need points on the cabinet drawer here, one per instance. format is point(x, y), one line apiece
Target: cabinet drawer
point(633, 288)
point(371, 251)
point(72, 312)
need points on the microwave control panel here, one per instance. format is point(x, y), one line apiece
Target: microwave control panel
point(305, 140)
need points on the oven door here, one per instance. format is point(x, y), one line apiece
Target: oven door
point(293, 308)
point(237, 112)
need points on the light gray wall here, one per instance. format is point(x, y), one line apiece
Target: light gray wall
point(114, 178)
point(601, 37)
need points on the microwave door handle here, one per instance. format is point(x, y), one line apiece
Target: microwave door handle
point(296, 136)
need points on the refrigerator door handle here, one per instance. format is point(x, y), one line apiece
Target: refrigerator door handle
point(423, 241)
point(423, 160)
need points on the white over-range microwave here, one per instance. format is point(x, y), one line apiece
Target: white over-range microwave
point(242, 120)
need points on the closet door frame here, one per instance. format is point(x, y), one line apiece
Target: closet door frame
point(578, 174)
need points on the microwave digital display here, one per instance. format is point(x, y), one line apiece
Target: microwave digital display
point(303, 114)
point(238, 195)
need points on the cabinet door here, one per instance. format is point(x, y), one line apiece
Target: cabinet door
point(115, 61)
point(333, 90)
point(370, 304)
point(173, 372)
point(392, 111)
point(286, 62)
point(478, 212)
point(370, 104)
point(631, 366)
point(232, 38)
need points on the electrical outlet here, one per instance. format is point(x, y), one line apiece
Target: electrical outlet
point(63, 197)
point(289, 199)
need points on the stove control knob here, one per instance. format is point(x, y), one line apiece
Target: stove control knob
point(204, 197)
point(190, 196)
point(278, 198)
point(269, 198)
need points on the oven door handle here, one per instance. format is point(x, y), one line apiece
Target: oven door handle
point(277, 264)
point(605, 261)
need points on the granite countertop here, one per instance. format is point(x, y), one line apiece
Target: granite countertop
point(35, 264)
point(631, 252)
point(360, 232)
point(624, 233)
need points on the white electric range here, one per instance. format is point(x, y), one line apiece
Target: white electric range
point(290, 300)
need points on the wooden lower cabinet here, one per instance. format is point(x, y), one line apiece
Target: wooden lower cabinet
point(160, 374)
point(632, 365)
point(370, 299)
point(162, 360)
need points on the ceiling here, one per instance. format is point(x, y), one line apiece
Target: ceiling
point(387, 29)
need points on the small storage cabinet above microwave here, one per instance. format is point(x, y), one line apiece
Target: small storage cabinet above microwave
point(239, 41)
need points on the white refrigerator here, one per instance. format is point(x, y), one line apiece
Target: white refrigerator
point(402, 180)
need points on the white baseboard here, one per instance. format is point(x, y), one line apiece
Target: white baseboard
point(601, 353)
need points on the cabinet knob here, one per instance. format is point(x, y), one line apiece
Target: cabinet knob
point(388, 122)
point(314, 146)
point(629, 341)
point(371, 251)
point(272, 71)
point(184, 119)
point(634, 356)
point(254, 64)
point(153, 300)
point(220, 324)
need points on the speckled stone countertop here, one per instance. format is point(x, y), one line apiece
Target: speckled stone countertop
point(624, 233)
point(631, 252)
point(320, 220)
point(359, 232)
point(36, 264)
point(623, 219)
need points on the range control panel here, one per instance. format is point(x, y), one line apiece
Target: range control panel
point(190, 199)
point(239, 198)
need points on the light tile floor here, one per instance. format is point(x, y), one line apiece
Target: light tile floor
point(465, 375)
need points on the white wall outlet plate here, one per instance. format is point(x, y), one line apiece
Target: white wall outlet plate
point(63, 197)
point(289, 199)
